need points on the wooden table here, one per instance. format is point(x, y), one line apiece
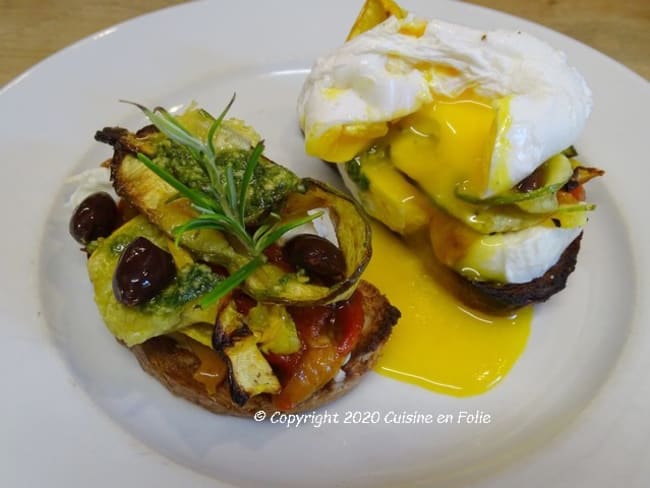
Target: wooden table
point(31, 30)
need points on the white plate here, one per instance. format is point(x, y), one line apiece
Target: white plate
point(76, 409)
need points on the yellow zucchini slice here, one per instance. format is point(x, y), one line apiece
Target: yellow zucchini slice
point(174, 308)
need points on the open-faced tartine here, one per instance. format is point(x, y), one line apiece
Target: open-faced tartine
point(234, 282)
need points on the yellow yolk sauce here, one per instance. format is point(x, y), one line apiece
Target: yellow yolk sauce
point(445, 144)
point(438, 343)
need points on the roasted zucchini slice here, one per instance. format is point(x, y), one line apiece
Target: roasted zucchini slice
point(272, 284)
point(249, 372)
point(174, 308)
point(275, 189)
point(275, 329)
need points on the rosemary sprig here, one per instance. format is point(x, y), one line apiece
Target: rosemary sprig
point(222, 206)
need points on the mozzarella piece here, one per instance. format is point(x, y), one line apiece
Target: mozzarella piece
point(541, 102)
point(321, 226)
point(88, 182)
point(340, 376)
point(516, 257)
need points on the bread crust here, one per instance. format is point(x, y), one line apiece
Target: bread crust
point(503, 298)
point(174, 366)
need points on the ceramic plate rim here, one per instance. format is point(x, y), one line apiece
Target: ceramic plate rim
point(21, 307)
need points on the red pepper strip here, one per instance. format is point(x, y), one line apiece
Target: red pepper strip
point(243, 302)
point(579, 193)
point(571, 197)
point(309, 323)
point(317, 366)
point(285, 364)
point(309, 370)
point(312, 323)
point(349, 321)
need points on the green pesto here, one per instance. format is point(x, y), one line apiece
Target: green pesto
point(178, 160)
point(92, 245)
point(353, 168)
point(373, 155)
point(271, 183)
point(284, 280)
point(191, 282)
point(120, 242)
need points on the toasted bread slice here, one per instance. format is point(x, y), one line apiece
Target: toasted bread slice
point(174, 366)
point(502, 299)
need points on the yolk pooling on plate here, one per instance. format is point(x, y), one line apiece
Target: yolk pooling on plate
point(438, 343)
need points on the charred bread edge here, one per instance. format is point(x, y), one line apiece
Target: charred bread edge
point(506, 297)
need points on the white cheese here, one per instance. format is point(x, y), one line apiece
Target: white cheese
point(321, 226)
point(340, 376)
point(88, 182)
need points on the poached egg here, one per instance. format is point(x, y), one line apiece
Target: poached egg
point(425, 108)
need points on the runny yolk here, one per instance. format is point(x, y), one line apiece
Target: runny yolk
point(438, 343)
point(444, 144)
point(444, 147)
point(342, 143)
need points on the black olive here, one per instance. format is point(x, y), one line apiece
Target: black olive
point(95, 217)
point(317, 256)
point(142, 272)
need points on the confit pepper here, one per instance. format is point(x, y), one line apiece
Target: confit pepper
point(328, 334)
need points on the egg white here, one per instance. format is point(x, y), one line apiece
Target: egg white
point(542, 103)
point(517, 257)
